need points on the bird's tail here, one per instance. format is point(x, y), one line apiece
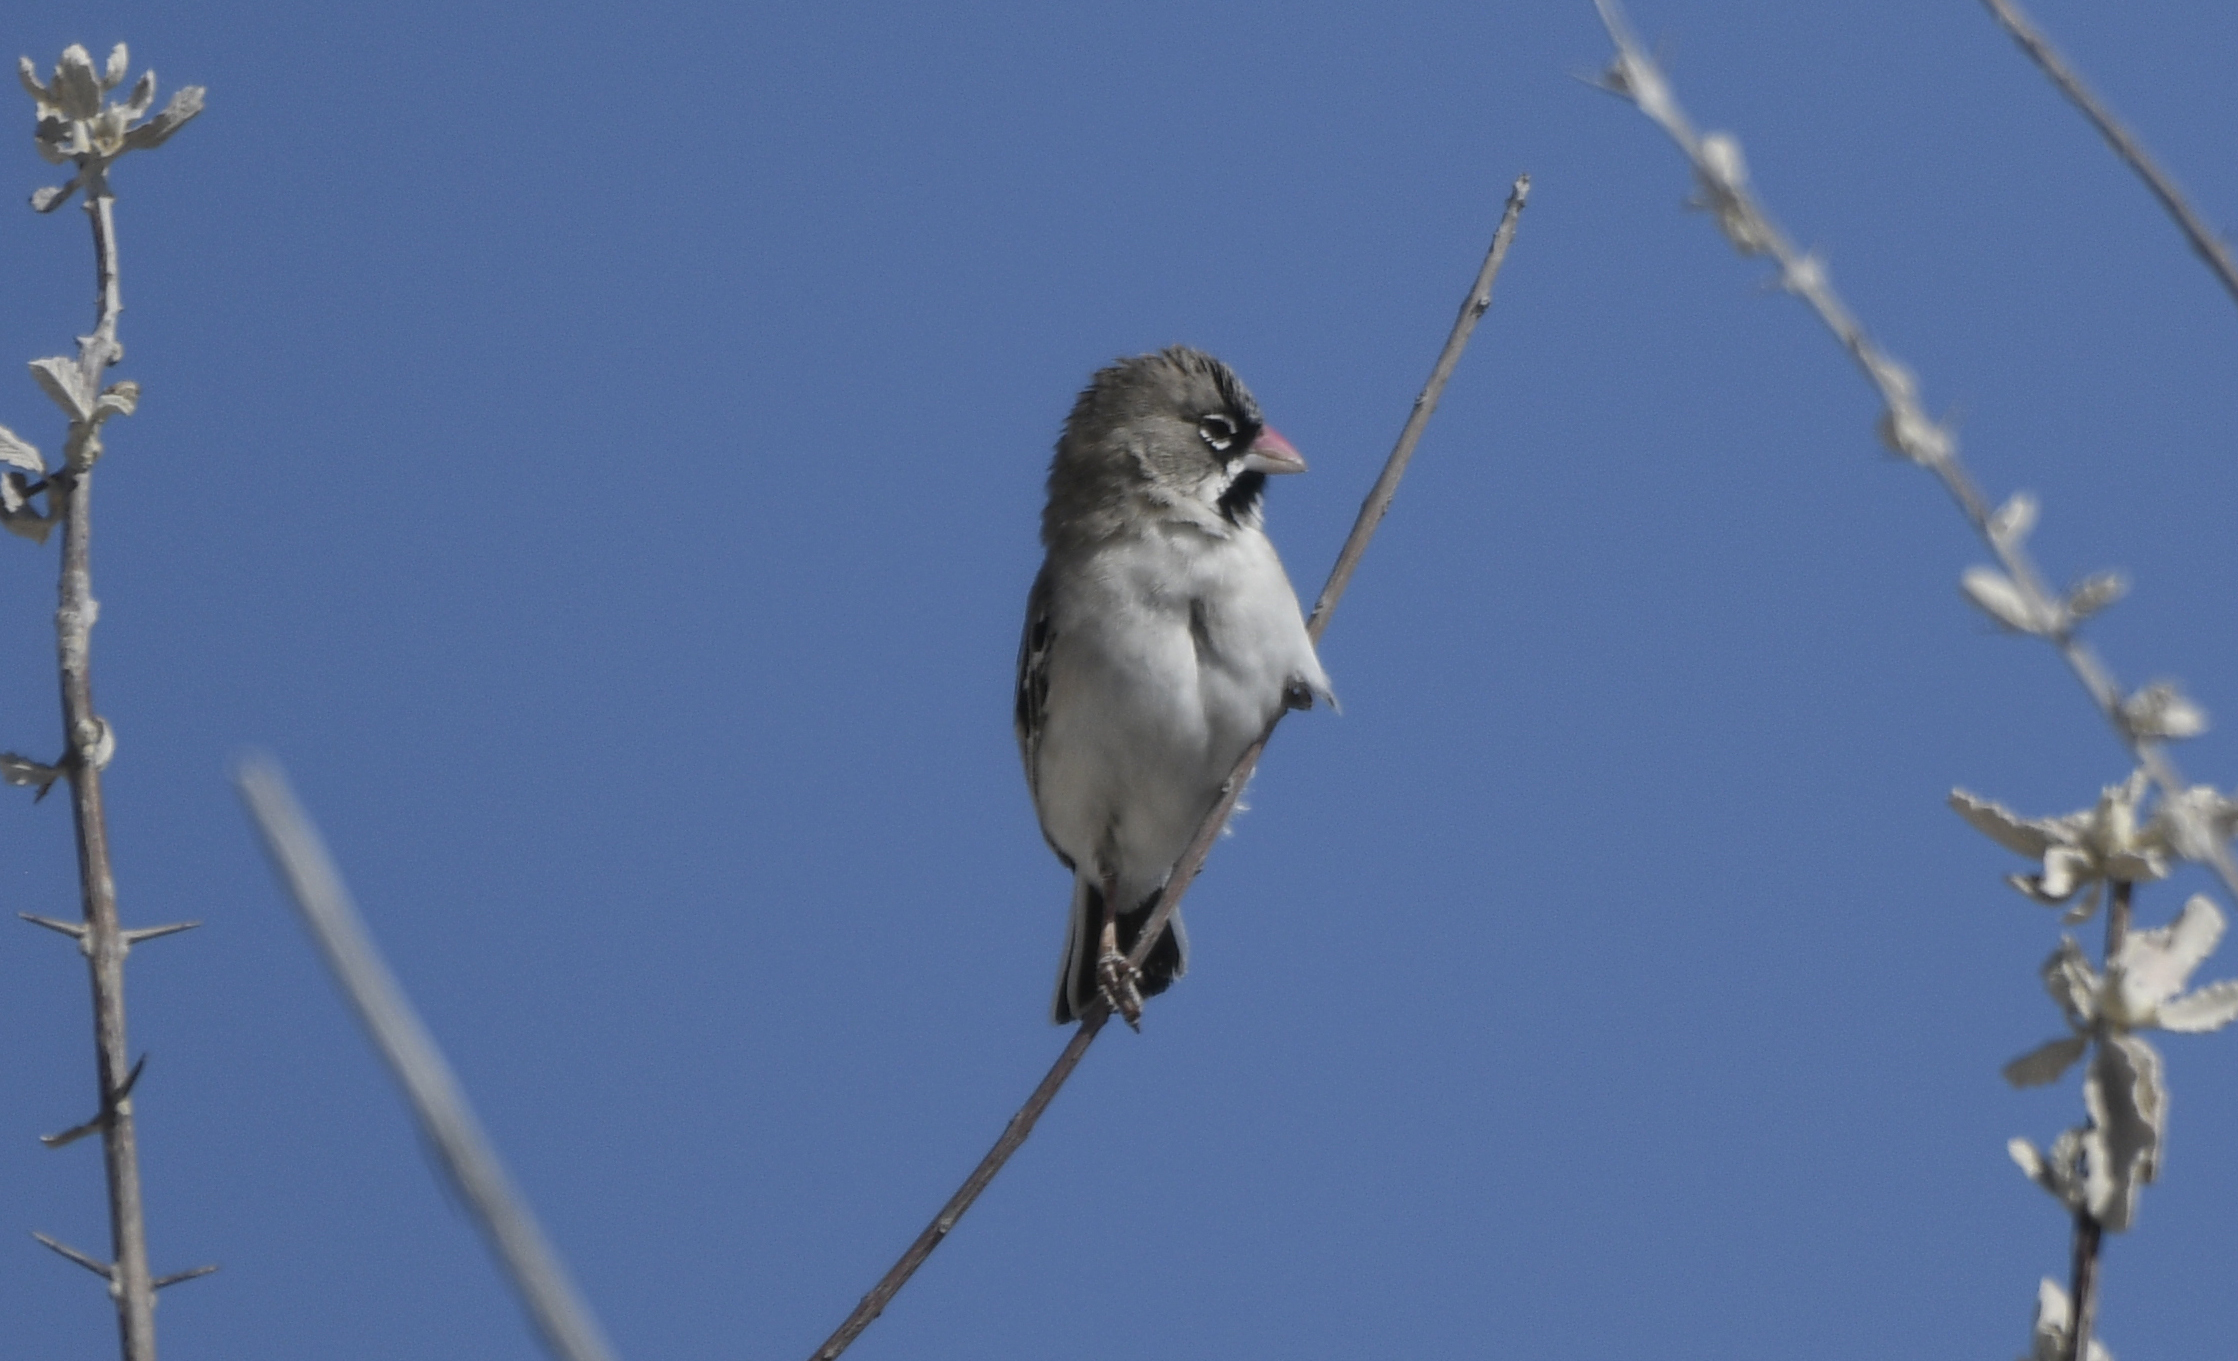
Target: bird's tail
point(1076, 980)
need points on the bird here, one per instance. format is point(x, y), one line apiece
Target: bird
point(1162, 637)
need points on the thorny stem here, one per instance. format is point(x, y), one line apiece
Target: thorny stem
point(2204, 241)
point(104, 942)
point(1185, 869)
point(1915, 435)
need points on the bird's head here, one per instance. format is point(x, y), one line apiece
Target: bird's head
point(1176, 434)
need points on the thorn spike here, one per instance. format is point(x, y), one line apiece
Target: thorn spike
point(138, 934)
point(131, 1080)
point(175, 1277)
point(72, 1135)
point(98, 1268)
point(75, 930)
point(108, 1112)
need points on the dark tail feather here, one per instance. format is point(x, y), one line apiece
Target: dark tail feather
point(1076, 984)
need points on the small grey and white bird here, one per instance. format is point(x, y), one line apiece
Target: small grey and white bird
point(1161, 639)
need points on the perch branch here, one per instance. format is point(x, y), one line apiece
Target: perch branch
point(315, 886)
point(2210, 247)
point(1185, 869)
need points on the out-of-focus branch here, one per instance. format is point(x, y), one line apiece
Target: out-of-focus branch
point(1192, 860)
point(561, 1317)
point(2024, 602)
point(2210, 247)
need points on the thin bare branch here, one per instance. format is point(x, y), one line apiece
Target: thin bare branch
point(1355, 547)
point(2209, 246)
point(1192, 860)
point(1905, 426)
point(561, 1317)
point(1013, 1135)
point(1386, 485)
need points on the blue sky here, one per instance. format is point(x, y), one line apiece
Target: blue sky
point(599, 452)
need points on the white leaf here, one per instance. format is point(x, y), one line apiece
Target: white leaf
point(52, 197)
point(2128, 1109)
point(2014, 519)
point(14, 450)
point(1722, 161)
point(2066, 868)
point(119, 62)
point(2209, 1008)
point(142, 99)
point(2048, 1340)
point(122, 399)
point(2096, 593)
point(1995, 595)
point(1906, 431)
point(16, 514)
point(2193, 822)
point(29, 75)
point(2072, 983)
point(2002, 825)
point(2153, 966)
point(2162, 711)
point(2054, 1170)
point(64, 385)
point(2045, 1063)
point(2086, 906)
point(2031, 1162)
point(185, 104)
point(76, 89)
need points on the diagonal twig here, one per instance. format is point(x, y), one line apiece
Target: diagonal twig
point(1905, 425)
point(1185, 869)
point(562, 1318)
point(2210, 247)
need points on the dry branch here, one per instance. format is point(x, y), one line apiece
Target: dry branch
point(1192, 860)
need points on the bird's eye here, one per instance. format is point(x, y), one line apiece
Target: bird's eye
point(1218, 431)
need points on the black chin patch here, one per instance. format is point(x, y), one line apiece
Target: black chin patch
point(1242, 496)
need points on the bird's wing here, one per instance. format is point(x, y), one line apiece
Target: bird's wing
point(1033, 675)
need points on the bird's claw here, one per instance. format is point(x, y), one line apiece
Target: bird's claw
point(1119, 985)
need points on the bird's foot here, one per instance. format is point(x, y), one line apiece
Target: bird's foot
point(1120, 985)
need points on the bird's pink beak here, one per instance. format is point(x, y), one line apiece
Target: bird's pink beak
point(1271, 453)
